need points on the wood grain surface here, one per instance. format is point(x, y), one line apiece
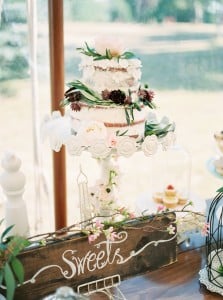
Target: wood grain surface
point(179, 281)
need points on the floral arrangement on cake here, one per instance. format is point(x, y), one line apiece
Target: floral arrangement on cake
point(106, 49)
point(78, 93)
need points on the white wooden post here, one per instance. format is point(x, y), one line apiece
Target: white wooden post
point(13, 181)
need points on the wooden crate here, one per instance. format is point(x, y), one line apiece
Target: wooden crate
point(140, 247)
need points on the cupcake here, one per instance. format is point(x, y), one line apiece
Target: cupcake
point(170, 191)
point(158, 197)
point(170, 199)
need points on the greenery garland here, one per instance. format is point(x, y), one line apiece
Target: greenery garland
point(108, 55)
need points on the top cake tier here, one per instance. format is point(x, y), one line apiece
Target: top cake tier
point(111, 74)
point(110, 78)
point(108, 66)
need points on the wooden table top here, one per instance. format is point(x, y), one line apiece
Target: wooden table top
point(178, 281)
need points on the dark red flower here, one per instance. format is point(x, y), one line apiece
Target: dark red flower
point(151, 95)
point(117, 96)
point(146, 95)
point(72, 95)
point(75, 106)
point(69, 91)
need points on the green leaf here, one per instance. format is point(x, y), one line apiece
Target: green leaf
point(220, 270)
point(122, 133)
point(100, 57)
point(220, 190)
point(128, 55)
point(18, 269)
point(5, 232)
point(151, 104)
point(132, 115)
point(88, 96)
point(78, 85)
point(157, 130)
point(9, 281)
point(64, 102)
point(108, 54)
point(17, 244)
point(137, 106)
point(127, 116)
point(90, 50)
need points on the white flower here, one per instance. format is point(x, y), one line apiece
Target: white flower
point(89, 131)
point(73, 145)
point(150, 145)
point(126, 146)
point(55, 143)
point(114, 45)
point(171, 229)
point(99, 149)
point(57, 129)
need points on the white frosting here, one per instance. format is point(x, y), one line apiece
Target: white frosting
point(114, 118)
point(113, 74)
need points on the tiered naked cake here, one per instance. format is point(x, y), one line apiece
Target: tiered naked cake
point(111, 112)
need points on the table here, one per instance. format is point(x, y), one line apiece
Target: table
point(178, 281)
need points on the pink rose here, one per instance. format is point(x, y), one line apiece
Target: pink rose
point(114, 45)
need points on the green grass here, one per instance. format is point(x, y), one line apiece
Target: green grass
point(182, 36)
point(198, 70)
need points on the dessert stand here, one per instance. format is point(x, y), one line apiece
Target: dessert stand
point(141, 243)
point(108, 151)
